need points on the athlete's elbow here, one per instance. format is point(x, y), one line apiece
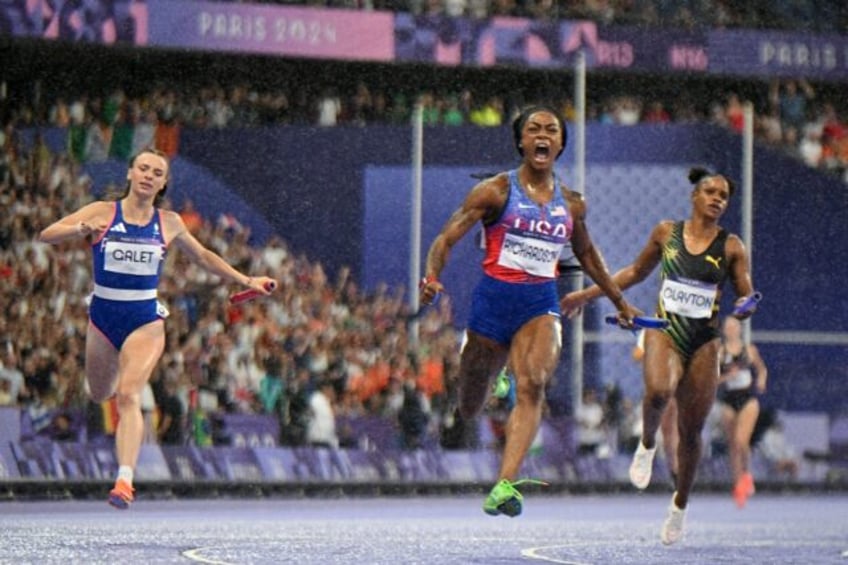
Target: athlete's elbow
point(44, 236)
point(635, 276)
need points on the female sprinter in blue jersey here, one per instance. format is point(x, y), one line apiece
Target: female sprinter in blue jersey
point(527, 216)
point(126, 331)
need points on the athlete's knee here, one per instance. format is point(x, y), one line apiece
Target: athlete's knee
point(100, 392)
point(470, 403)
point(127, 400)
point(659, 399)
point(98, 396)
point(530, 390)
point(691, 440)
point(469, 410)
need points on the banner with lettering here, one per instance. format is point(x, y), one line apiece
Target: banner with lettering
point(273, 30)
point(341, 34)
point(523, 42)
point(783, 54)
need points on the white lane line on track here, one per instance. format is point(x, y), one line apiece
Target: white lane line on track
point(196, 556)
point(537, 553)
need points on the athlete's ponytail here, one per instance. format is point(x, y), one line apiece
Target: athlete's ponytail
point(697, 174)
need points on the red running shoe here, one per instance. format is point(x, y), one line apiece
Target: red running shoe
point(122, 495)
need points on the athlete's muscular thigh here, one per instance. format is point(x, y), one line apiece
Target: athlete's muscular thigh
point(536, 349)
point(139, 355)
point(101, 365)
point(663, 367)
point(481, 359)
point(697, 390)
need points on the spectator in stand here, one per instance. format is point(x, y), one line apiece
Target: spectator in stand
point(272, 389)
point(734, 113)
point(172, 420)
point(489, 114)
point(329, 107)
point(431, 114)
point(590, 424)
point(811, 149)
point(773, 445)
point(144, 128)
point(413, 416)
point(792, 102)
point(656, 113)
point(834, 138)
point(191, 217)
point(769, 128)
point(452, 114)
point(6, 398)
point(321, 423)
point(10, 373)
point(361, 105)
point(627, 110)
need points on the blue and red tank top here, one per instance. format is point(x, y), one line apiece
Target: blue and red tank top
point(525, 242)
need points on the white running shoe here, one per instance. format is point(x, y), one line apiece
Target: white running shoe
point(642, 465)
point(672, 529)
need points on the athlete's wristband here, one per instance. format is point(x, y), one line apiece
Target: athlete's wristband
point(427, 280)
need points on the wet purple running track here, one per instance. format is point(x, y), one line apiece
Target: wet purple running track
point(564, 529)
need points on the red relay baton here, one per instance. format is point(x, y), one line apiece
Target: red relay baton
point(250, 293)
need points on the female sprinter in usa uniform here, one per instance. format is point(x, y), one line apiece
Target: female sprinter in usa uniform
point(697, 257)
point(126, 333)
point(527, 216)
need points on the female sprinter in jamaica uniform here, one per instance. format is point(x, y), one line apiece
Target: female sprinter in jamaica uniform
point(681, 362)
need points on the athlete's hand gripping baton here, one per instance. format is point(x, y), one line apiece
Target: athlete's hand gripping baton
point(750, 303)
point(250, 293)
point(641, 322)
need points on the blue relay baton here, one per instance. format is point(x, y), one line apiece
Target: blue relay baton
point(748, 304)
point(644, 322)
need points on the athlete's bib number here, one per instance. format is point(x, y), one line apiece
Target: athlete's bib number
point(740, 380)
point(132, 258)
point(688, 298)
point(533, 256)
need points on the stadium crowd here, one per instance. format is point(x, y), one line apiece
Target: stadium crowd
point(790, 115)
point(266, 356)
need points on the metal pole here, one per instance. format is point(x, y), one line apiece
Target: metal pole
point(748, 195)
point(576, 334)
point(415, 223)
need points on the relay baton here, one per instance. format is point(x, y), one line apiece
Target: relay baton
point(250, 293)
point(748, 304)
point(423, 308)
point(646, 322)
